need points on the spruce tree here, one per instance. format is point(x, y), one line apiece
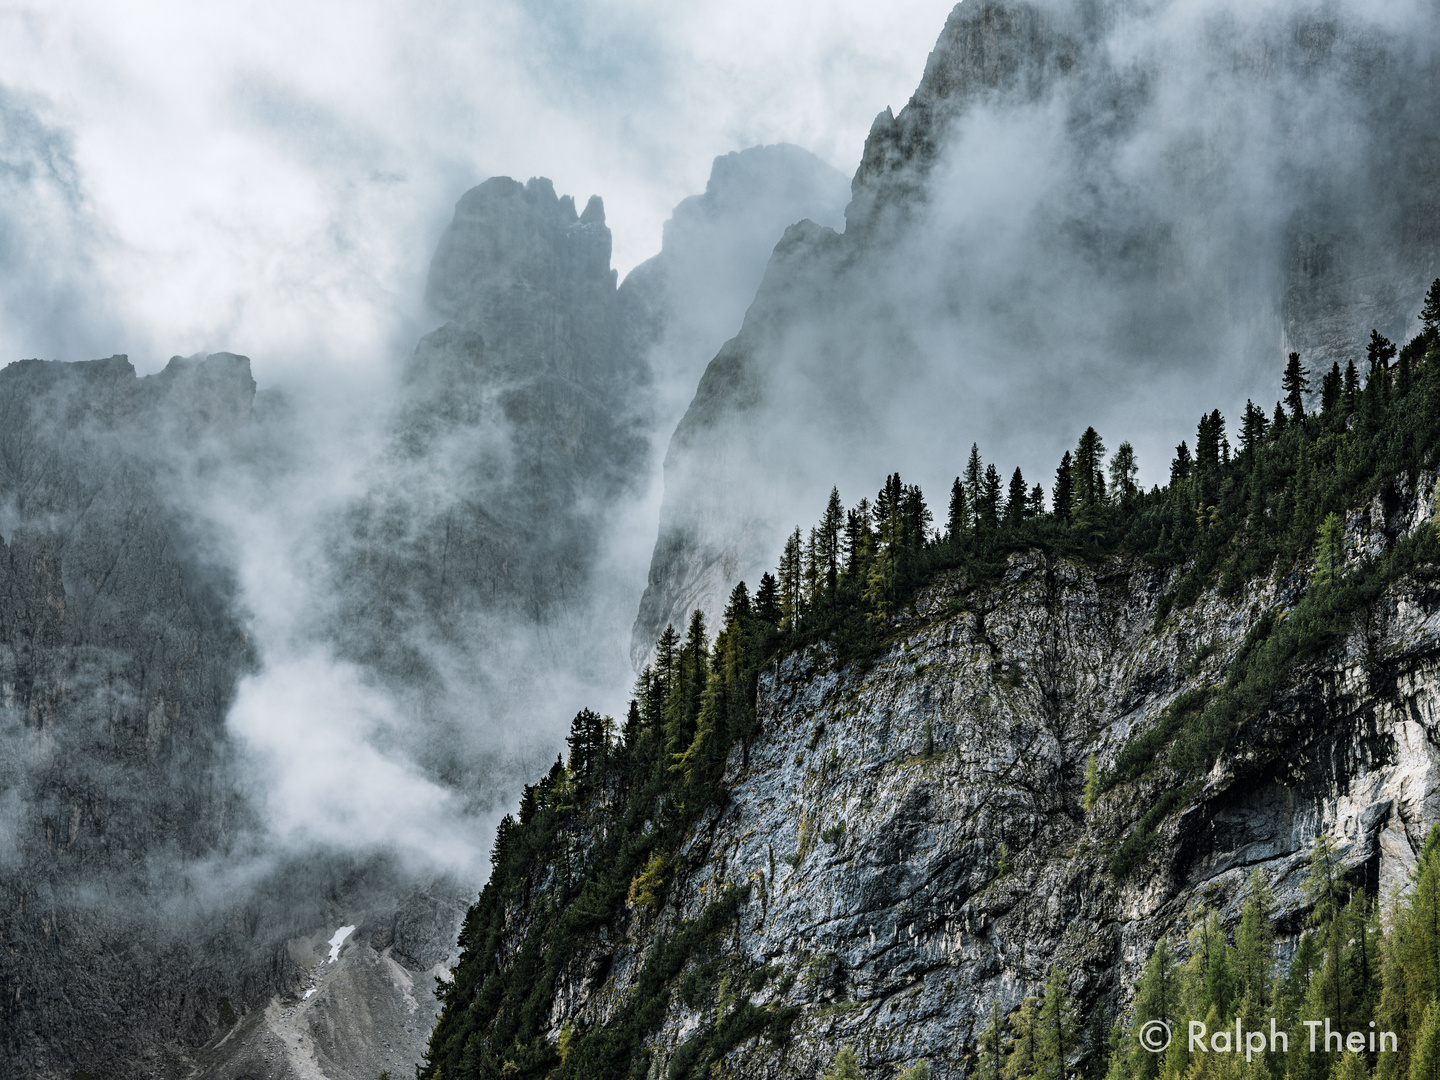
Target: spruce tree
point(1352, 386)
point(1295, 383)
point(792, 581)
point(1331, 388)
point(989, 505)
point(667, 650)
point(915, 517)
point(974, 478)
point(767, 599)
point(1181, 465)
point(859, 540)
point(1252, 430)
point(1063, 494)
point(1037, 501)
point(1089, 470)
point(831, 526)
point(1017, 500)
point(958, 522)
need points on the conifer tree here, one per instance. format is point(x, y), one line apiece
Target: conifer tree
point(1123, 470)
point(974, 478)
point(1063, 494)
point(1352, 386)
point(989, 1057)
point(958, 522)
point(725, 713)
point(859, 540)
point(1181, 465)
point(792, 581)
point(1090, 470)
point(1056, 1032)
point(631, 731)
point(1278, 422)
point(1430, 313)
point(1037, 501)
point(915, 517)
point(1017, 500)
point(767, 600)
point(988, 507)
point(1380, 350)
point(1425, 1058)
point(1252, 430)
point(1296, 384)
point(1331, 549)
point(1331, 388)
point(667, 650)
point(830, 528)
point(1352, 1066)
point(846, 1066)
point(692, 669)
point(1255, 940)
point(1157, 997)
point(1020, 1059)
point(588, 743)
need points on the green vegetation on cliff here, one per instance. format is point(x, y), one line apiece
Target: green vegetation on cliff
point(1350, 970)
point(597, 841)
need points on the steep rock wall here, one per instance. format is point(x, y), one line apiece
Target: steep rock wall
point(868, 818)
point(1086, 214)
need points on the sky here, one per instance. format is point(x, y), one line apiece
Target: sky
point(271, 178)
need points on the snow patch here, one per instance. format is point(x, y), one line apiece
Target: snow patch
point(338, 940)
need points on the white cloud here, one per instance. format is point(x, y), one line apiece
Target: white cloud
point(272, 176)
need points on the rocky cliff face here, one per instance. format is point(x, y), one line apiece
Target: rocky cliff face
point(521, 420)
point(911, 830)
point(691, 297)
point(1086, 213)
point(147, 928)
point(118, 658)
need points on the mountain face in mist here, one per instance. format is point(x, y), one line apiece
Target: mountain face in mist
point(521, 421)
point(1087, 214)
point(151, 922)
point(691, 297)
point(903, 842)
point(119, 651)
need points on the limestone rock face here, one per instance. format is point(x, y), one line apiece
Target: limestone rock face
point(119, 652)
point(912, 831)
point(691, 297)
point(1088, 214)
point(521, 420)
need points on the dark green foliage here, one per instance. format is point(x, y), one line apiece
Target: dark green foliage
point(595, 844)
point(1430, 313)
point(1295, 383)
point(1346, 966)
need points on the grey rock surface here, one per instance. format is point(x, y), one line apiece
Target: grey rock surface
point(880, 901)
point(691, 297)
point(1095, 213)
point(145, 927)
